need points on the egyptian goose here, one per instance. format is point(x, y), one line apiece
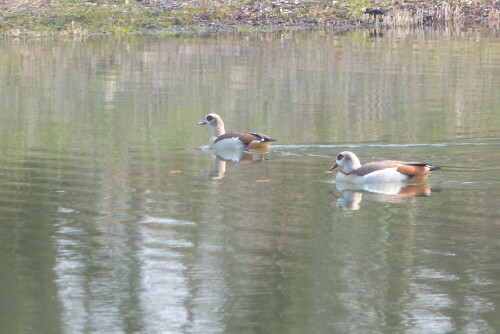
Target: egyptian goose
point(221, 140)
point(351, 170)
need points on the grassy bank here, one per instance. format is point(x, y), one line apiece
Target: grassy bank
point(71, 17)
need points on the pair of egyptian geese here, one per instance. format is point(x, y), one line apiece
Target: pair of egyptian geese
point(350, 168)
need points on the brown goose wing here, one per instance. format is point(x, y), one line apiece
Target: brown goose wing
point(415, 168)
point(245, 137)
point(406, 168)
point(262, 138)
point(375, 166)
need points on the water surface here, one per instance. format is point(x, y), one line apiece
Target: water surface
point(115, 218)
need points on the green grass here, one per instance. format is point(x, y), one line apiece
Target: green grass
point(77, 17)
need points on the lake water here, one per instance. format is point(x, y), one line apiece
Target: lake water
point(115, 218)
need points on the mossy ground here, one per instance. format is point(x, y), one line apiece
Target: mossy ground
point(71, 17)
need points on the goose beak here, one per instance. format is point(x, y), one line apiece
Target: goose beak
point(202, 122)
point(333, 167)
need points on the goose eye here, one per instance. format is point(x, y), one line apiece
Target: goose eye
point(209, 118)
point(340, 157)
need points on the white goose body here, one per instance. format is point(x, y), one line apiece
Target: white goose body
point(387, 175)
point(222, 141)
point(389, 171)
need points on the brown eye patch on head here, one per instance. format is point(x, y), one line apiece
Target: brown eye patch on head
point(340, 157)
point(209, 118)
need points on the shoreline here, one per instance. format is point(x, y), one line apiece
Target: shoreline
point(125, 17)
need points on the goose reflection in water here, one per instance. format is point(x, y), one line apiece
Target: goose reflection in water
point(220, 159)
point(351, 194)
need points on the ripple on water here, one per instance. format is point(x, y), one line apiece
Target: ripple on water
point(162, 235)
point(165, 221)
point(306, 146)
point(46, 181)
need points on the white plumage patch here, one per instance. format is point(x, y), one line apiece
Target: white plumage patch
point(232, 143)
point(384, 175)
